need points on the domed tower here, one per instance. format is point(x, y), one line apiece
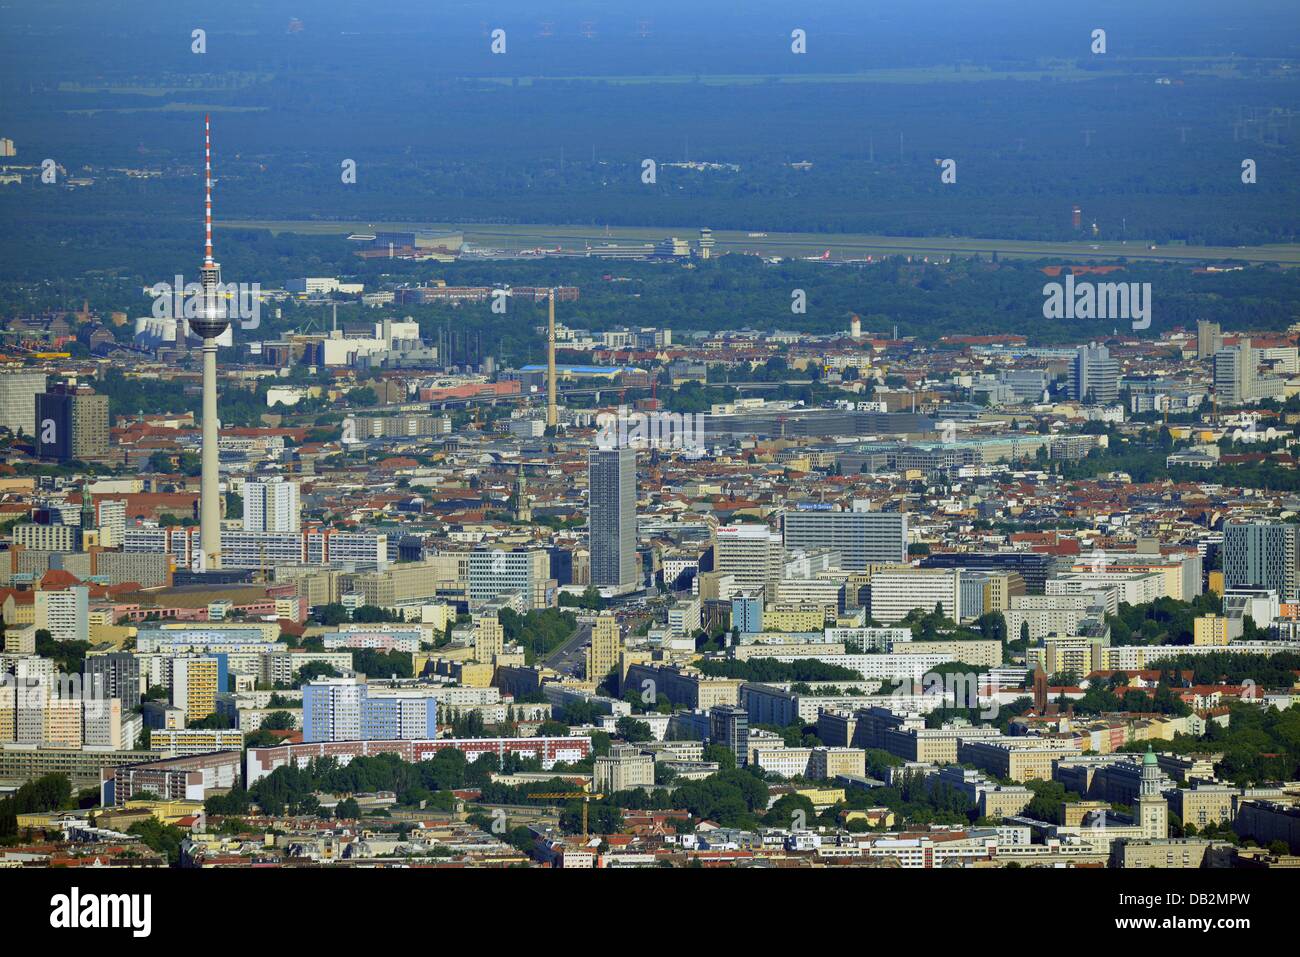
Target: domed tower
point(1152, 808)
point(209, 324)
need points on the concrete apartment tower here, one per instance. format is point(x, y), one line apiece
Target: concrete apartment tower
point(209, 325)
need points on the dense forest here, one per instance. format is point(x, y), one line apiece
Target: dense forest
point(926, 301)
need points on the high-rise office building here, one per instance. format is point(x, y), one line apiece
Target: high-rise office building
point(71, 422)
point(1209, 339)
point(1234, 374)
point(862, 538)
point(18, 392)
point(606, 643)
point(30, 694)
point(1263, 554)
point(1094, 375)
point(89, 424)
point(102, 725)
point(272, 506)
point(114, 675)
point(493, 573)
point(611, 524)
point(751, 555)
point(1026, 385)
point(729, 727)
point(399, 717)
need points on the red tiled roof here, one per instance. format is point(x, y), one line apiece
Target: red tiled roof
point(57, 579)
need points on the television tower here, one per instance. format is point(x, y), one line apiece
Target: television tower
point(552, 413)
point(210, 323)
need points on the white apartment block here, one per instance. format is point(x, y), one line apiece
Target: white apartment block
point(279, 668)
point(784, 762)
point(112, 523)
point(184, 742)
point(47, 538)
point(271, 506)
point(826, 592)
point(241, 549)
point(1136, 588)
point(892, 667)
point(895, 593)
point(64, 614)
point(1181, 571)
point(869, 639)
point(1051, 614)
point(1138, 657)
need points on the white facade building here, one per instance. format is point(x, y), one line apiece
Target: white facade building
point(64, 614)
point(895, 593)
point(272, 506)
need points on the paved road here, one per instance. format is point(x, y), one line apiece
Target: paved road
point(570, 658)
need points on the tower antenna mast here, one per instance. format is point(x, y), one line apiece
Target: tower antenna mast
point(210, 323)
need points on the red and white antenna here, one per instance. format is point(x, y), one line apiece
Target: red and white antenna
point(207, 200)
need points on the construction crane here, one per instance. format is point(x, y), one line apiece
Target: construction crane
point(583, 796)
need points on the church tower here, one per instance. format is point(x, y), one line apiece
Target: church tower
point(1152, 808)
point(519, 499)
point(89, 531)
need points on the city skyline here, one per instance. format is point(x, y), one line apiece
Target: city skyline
point(805, 440)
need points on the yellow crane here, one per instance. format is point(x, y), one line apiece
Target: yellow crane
point(584, 796)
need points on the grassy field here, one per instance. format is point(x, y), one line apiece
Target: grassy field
point(841, 245)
